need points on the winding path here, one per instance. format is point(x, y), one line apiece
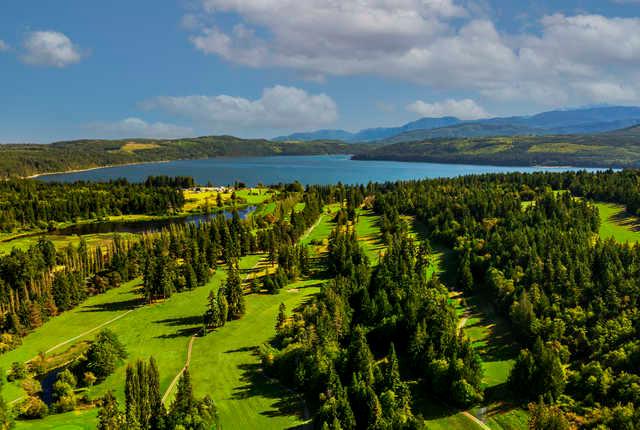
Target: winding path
point(469, 415)
point(186, 366)
point(98, 327)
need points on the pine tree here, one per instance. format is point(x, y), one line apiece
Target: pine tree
point(184, 402)
point(282, 316)
point(156, 408)
point(109, 416)
point(235, 295)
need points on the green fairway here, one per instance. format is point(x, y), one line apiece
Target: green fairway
point(76, 420)
point(617, 223)
point(225, 364)
point(163, 329)
point(369, 234)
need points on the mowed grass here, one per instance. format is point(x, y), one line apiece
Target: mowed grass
point(196, 200)
point(226, 365)
point(490, 336)
point(161, 330)
point(59, 241)
point(617, 223)
point(245, 398)
point(369, 234)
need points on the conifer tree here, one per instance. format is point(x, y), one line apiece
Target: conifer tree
point(109, 416)
point(234, 293)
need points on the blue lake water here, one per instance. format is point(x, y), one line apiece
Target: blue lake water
point(316, 169)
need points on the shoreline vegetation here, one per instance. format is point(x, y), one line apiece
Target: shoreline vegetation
point(88, 169)
point(604, 150)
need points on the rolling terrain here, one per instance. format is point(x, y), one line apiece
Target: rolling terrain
point(612, 149)
point(30, 159)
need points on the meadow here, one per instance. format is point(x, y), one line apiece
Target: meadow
point(617, 223)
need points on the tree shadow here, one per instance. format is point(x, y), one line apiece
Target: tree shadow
point(626, 220)
point(189, 326)
point(123, 305)
point(285, 402)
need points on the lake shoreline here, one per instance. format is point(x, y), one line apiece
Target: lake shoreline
point(88, 169)
point(307, 169)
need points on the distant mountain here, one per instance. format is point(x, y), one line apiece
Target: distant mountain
point(370, 134)
point(468, 129)
point(570, 121)
point(317, 135)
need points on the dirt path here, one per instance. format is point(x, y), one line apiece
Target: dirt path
point(476, 420)
point(461, 323)
point(186, 366)
point(310, 229)
point(98, 327)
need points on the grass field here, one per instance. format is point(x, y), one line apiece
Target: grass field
point(223, 364)
point(369, 234)
point(161, 330)
point(196, 200)
point(60, 242)
point(617, 223)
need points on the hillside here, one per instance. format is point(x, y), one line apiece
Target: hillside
point(613, 149)
point(31, 159)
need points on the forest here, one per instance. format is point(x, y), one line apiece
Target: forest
point(21, 160)
point(616, 149)
point(346, 303)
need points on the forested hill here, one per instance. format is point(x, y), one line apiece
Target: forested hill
point(619, 148)
point(31, 159)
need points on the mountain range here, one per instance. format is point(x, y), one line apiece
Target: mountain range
point(557, 122)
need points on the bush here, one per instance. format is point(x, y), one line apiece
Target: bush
point(32, 407)
point(17, 371)
point(104, 353)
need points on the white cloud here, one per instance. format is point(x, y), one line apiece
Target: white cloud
point(50, 48)
point(279, 107)
point(462, 109)
point(436, 43)
point(4, 46)
point(136, 127)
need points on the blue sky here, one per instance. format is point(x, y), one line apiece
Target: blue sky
point(77, 68)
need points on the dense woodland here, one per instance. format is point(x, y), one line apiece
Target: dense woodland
point(28, 204)
point(612, 149)
point(28, 159)
point(380, 333)
point(571, 297)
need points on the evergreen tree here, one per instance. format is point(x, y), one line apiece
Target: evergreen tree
point(234, 294)
point(109, 416)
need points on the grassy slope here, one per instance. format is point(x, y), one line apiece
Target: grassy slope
point(163, 330)
point(160, 330)
point(618, 224)
point(225, 364)
point(368, 232)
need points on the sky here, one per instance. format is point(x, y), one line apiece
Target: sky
point(261, 68)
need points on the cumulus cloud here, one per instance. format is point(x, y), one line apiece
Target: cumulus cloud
point(136, 127)
point(50, 48)
point(462, 109)
point(4, 46)
point(278, 107)
point(437, 43)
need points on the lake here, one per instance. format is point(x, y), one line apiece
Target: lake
point(314, 169)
